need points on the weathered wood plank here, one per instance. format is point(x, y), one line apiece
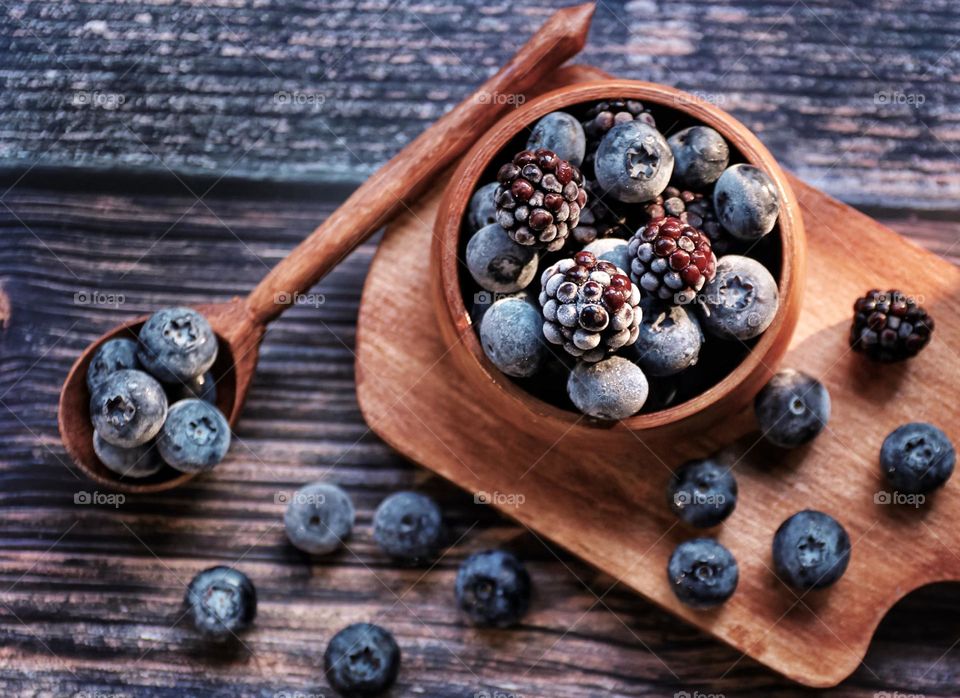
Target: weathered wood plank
point(856, 97)
point(98, 587)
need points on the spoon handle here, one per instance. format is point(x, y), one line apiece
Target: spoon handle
point(409, 173)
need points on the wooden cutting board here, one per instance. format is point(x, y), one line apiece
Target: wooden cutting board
point(604, 499)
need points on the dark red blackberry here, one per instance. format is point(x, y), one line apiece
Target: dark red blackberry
point(600, 218)
point(602, 117)
point(539, 199)
point(693, 208)
point(590, 307)
point(889, 326)
point(671, 260)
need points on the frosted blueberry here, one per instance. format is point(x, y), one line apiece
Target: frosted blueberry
point(741, 301)
point(362, 660)
point(137, 461)
point(700, 156)
point(811, 550)
point(917, 458)
point(203, 387)
point(511, 334)
point(319, 518)
point(177, 344)
point(408, 526)
point(221, 601)
point(613, 250)
point(499, 264)
point(669, 341)
point(483, 206)
point(634, 162)
point(113, 355)
point(746, 202)
point(561, 133)
point(195, 437)
point(612, 389)
point(792, 409)
point(127, 408)
point(702, 573)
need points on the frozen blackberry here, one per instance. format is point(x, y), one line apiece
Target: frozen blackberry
point(694, 209)
point(670, 259)
point(600, 218)
point(603, 116)
point(889, 326)
point(589, 306)
point(539, 199)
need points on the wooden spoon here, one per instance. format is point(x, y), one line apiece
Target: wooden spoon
point(241, 322)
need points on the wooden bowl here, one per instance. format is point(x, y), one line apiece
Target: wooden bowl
point(733, 391)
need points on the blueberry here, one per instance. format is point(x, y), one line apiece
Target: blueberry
point(612, 389)
point(700, 156)
point(177, 344)
point(669, 341)
point(203, 387)
point(702, 493)
point(127, 408)
point(319, 518)
point(634, 162)
point(746, 202)
point(613, 250)
point(221, 602)
point(483, 207)
point(195, 436)
point(917, 458)
point(499, 264)
point(792, 409)
point(113, 355)
point(511, 334)
point(362, 660)
point(702, 573)
point(493, 589)
point(561, 133)
point(408, 527)
point(741, 301)
point(811, 550)
point(137, 461)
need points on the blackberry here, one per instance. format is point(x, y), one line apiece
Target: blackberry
point(589, 306)
point(600, 218)
point(670, 259)
point(889, 326)
point(695, 209)
point(603, 116)
point(539, 199)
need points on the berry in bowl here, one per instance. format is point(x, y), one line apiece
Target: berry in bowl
point(621, 254)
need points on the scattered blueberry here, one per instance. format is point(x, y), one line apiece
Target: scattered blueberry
point(741, 301)
point(917, 458)
point(792, 409)
point(195, 436)
point(611, 389)
point(137, 461)
point(221, 602)
point(362, 660)
point(561, 133)
point(634, 162)
point(319, 518)
point(511, 334)
point(114, 355)
point(203, 387)
point(177, 344)
point(746, 202)
point(702, 573)
point(700, 156)
point(702, 493)
point(613, 250)
point(669, 341)
point(493, 589)
point(499, 264)
point(408, 526)
point(127, 408)
point(811, 550)
point(483, 206)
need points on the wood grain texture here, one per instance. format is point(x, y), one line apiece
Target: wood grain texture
point(321, 90)
point(90, 595)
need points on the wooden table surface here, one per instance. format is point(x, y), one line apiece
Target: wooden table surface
point(160, 153)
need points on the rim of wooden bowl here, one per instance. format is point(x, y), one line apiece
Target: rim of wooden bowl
point(763, 356)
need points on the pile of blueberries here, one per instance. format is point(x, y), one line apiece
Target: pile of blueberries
point(152, 400)
point(492, 587)
point(811, 549)
point(636, 266)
